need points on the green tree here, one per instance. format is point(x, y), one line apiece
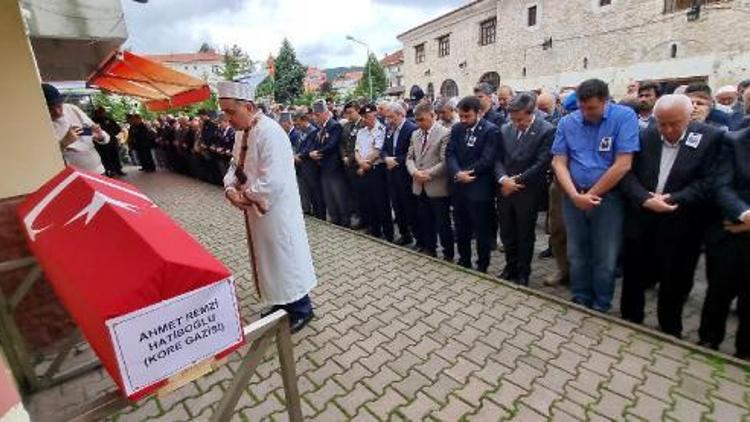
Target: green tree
point(265, 88)
point(117, 106)
point(326, 89)
point(205, 48)
point(306, 99)
point(379, 83)
point(236, 63)
point(290, 75)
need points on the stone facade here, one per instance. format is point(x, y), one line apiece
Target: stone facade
point(393, 64)
point(615, 40)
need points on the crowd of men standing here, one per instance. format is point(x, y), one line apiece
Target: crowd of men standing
point(641, 187)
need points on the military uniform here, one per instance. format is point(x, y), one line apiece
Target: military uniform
point(346, 148)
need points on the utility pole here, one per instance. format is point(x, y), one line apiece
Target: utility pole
point(369, 72)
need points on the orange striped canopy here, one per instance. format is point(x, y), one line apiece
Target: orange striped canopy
point(159, 87)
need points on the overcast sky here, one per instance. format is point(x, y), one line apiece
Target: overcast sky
point(316, 28)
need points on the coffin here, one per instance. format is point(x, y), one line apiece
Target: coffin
point(148, 297)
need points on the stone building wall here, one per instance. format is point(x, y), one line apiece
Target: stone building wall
point(626, 39)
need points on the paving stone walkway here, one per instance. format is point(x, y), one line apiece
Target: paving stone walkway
point(399, 336)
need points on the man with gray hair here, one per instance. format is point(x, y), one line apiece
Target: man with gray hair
point(523, 158)
point(426, 164)
point(395, 147)
point(669, 187)
point(446, 112)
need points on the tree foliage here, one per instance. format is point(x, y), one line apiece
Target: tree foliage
point(265, 88)
point(117, 106)
point(205, 48)
point(236, 63)
point(326, 88)
point(379, 81)
point(290, 75)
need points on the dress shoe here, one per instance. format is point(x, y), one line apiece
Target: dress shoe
point(465, 264)
point(507, 275)
point(358, 226)
point(120, 173)
point(522, 281)
point(448, 259)
point(404, 240)
point(300, 323)
point(708, 345)
point(429, 252)
point(546, 254)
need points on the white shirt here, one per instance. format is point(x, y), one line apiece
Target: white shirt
point(395, 135)
point(668, 156)
point(80, 153)
point(370, 139)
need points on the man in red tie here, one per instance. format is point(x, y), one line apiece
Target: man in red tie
point(425, 161)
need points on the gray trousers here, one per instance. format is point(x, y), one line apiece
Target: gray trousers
point(335, 195)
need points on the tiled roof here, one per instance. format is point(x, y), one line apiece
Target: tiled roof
point(185, 57)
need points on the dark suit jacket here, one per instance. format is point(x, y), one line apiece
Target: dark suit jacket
point(348, 142)
point(329, 138)
point(295, 137)
point(530, 157)
point(495, 117)
point(461, 156)
point(308, 143)
point(399, 148)
point(732, 184)
point(690, 184)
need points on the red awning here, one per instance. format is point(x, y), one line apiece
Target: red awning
point(159, 87)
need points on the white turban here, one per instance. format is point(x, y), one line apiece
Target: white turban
point(235, 90)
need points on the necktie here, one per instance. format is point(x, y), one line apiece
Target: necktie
point(424, 142)
point(520, 135)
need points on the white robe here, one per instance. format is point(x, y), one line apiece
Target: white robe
point(282, 252)
point(81, 153)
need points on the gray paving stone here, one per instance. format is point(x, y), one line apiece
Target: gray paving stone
point(401, 337)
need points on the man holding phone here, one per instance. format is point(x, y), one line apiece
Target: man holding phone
point(75, 132)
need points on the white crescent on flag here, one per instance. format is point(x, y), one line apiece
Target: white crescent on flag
point(97, 202)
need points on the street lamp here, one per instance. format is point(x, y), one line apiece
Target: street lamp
point(369, 74)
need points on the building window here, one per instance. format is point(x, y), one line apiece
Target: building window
point(673, 51)
point(532, 16)
point(419, 53)
point(444, 46)
point(487, 31)
point(431, 91)
point(585, 62)
point(605, 2)
point(671, 6)
point(523, 72)
point(449, 88)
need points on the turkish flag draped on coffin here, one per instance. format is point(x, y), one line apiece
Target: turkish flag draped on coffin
point(110, 252)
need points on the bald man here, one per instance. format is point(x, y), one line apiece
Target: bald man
point(548, 104)
point(669, 188)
